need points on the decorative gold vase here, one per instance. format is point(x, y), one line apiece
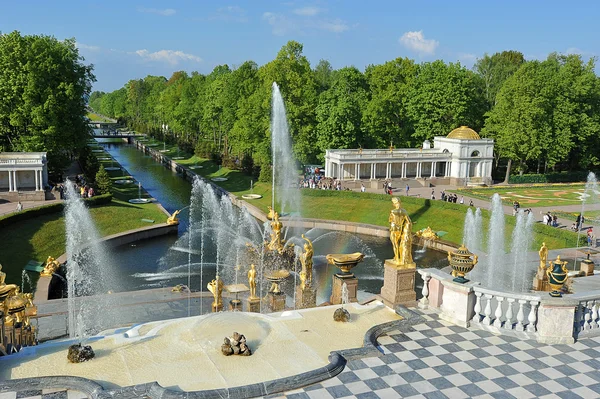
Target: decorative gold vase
point(557, 276)
point(275, 278)
point(462, 262)
point(345, 262)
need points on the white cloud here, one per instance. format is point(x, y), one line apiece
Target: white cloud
point(167, 12)
point(282, 24)
point(279, 23)
point(82, 46)
point(416, 41)
point(171, 57)
point(307, 11)
point(336, 26)
point(467, 58)
point(230, 13)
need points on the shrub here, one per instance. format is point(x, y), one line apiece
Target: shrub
point(560, 177)
point(103, 181)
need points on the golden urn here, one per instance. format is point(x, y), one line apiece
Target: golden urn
point(345, 262)
point(275, 278)
point(462, 262)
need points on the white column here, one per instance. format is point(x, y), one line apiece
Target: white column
point(373, 171)
point(41, 180)
point(10, 180)
point(341, 177)
point(432, 169)
point(15, 188)
point(418, 175)
point(389, 170)
point(357, 172)
point(37, 180)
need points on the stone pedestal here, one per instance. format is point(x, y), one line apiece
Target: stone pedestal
point(587, 267)
point(458, 303)
point(540, 281)
point(253, 305)
point(306, 298)
point(217, 307)
point(336, 289)
point(235, 305)
point(276, 301)
point(555, 321)
point(398, 284)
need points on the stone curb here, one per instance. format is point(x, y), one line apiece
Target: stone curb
point(337, 362)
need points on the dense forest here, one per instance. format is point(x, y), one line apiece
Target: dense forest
point(44, 85)
point(543, 115)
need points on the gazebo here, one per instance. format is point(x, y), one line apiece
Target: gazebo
point(23, 176)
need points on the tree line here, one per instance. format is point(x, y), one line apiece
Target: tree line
point(44, 86)
point(543, 115)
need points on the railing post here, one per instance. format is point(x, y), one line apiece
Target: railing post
point(509, 314)
point(487, 320)
point(531, 327)
point(424, 301)
point(556, 320)
point(587, 316)
point(477, 309)
point(498, 313)
point(595, 321)
point(520, 316)
point(577, 320)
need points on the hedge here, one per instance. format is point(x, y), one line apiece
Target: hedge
point(561, 177)
point(47, 209)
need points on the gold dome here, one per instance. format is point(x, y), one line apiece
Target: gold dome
point(464, 133)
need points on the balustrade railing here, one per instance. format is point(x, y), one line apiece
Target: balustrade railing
point(497, 309)
point(587, 317)
point(387, 154)
point(20, 161)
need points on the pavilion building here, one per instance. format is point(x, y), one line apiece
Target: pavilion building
point(23, 176)
point(461, 158)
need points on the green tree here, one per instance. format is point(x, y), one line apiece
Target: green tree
point(103, 181)
point(495, 69)
point(444, 97)
point(323, 75)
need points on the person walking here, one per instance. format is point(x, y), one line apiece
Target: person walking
point(19, 206)
point(407, 189)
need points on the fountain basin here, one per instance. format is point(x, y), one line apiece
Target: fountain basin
point(172, 352)
point(104, 159)
point(112, 168)
point(251, 196)
point(139, 201)
point(219, 179)
point(124, 181)
point(97, 150)
point(164, 150)
point(178, 158)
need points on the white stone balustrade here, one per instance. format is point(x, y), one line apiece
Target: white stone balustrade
point(497, 314)
point(587, 318)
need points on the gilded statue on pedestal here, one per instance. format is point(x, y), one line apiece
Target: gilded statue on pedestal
point(252, 281)
point(50, 268)
point(307, 263)
point(216, 288)
point(173, 218)
point(401, 234)
point(543, 253)
point(276, 244)
point(2, 276)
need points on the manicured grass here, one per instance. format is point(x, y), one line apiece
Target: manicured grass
point(97, 118)
point(548, 195)
point(588, 215)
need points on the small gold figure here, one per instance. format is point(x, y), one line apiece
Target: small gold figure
point(50, 268)
point(252, 281)
point(276, 244)
point(401, 234)
point(2, 276)
point(360, 149)
point(427, 234)
point(391, 146)
point(307, 263)
point(543, 257)
point(216, 288)
point(171, 220)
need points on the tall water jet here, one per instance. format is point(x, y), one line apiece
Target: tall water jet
point(520, 270)
point(589, 196)
point(285, 175)
point(472, 232)
point(89, 273)
point(496, 250)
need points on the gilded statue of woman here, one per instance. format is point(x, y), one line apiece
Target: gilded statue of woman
point(401, 234)
point(307, 263)
point(543, 256)
point(216, 288)
point(252, 281)
point(275, 244)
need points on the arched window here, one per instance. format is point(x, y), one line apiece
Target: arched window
point(446, 151)
point(475, 153)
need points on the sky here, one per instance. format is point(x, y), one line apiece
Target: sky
point(130, 39)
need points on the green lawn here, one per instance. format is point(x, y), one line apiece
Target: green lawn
point(588, 215)
point(531, 196)
point(97, 118)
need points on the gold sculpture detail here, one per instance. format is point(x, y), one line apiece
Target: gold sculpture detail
point(543, 257)
point(51, 267)
point(216, 288)
point(2, 276)
point(276, 243)
point(171, 220)
point(427, 234)
point(252, 281)
point(307, 263)
point(401, 234)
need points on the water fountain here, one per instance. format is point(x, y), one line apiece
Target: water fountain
point(89, 273)
point(139, 199)
point(509, 271)
point(590, 196)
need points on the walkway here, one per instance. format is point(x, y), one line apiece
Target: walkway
point(439, 360)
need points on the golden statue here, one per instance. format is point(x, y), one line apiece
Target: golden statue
point(2, 276)
point(543, 257)
point(276, 244)
point(401, 234)
point(171, 220)
point(427, 234)
point(51, 267)
point(252, 281)
point(307, 263)
point(216, 288)
point(391, 146)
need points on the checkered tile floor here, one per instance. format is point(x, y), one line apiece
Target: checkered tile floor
point(438, 360)
point(44, 394)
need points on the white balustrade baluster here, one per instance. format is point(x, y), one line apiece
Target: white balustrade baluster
point(578, 317)
point(487, 320)
point(509, 314)
point(498, 314)
point(587, 316)
point(532, 327)
point(520, 316)
point(477, 309)
point(595, 321)
point(424, 301)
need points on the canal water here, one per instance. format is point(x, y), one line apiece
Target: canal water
point(153, 263)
